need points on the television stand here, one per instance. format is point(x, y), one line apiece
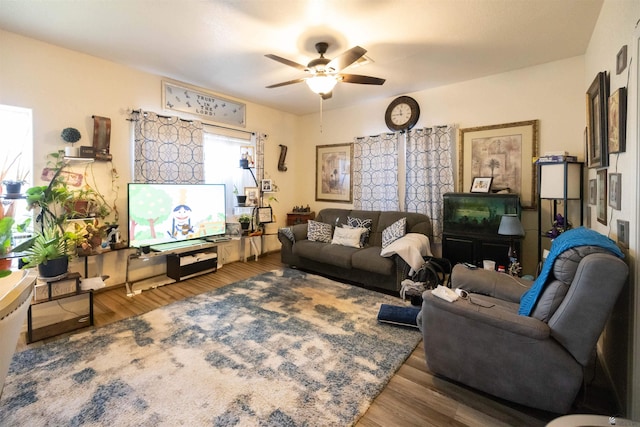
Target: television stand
point(182, 263)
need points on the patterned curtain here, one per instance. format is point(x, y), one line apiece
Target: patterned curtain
point(429, 167)
point(375, 173)
point(167, 149)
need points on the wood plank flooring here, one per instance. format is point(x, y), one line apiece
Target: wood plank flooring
point(413, 397)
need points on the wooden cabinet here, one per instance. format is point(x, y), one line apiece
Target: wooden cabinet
point(294, 218)
point(474, 249)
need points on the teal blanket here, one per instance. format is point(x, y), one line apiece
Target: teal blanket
point(569, 239)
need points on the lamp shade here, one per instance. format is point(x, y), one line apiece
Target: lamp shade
point(552, 182)
point(510, 225)
point(322, 83)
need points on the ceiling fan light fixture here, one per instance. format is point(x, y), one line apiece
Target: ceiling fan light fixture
point(322, 84)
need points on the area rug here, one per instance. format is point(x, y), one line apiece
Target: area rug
point(284, 348)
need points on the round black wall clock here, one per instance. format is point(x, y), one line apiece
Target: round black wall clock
point(402, 114)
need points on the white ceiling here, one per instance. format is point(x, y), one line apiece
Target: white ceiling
point(220, 44)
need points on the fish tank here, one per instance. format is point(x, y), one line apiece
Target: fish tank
point(477, 213)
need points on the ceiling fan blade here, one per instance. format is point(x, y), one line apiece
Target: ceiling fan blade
point(287, 62)
point(346, 58)
point(364, 80)
point(290, 82)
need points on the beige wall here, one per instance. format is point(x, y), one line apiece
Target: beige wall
point(65, 88)
point(620, 343)
point(552, 93)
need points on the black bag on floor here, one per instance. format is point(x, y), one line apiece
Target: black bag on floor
point(434, 272)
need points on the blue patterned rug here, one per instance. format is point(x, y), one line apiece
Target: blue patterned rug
point(283, 348)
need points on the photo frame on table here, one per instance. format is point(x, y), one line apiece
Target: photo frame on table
point(601, 206)
point(266, 185)
point(481, 184)
point(265, 215)
point(334, 169)
point(615, 190)
point(253, 196)
point(593, 192)
point(597, 96)
point(617, 121)
point(623, 233)
point(503, 152)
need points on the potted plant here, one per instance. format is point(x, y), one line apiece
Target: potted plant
point(242, 200)
point(71, 136)
point(12, 186)
point(244, 221)
point(49, 250)
point(6, 235)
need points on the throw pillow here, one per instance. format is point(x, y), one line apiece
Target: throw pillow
point(394, 232)
point(361, 223)
point(288, 233)
point(319, 232)
point(347, 236)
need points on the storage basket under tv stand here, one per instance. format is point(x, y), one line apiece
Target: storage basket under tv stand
point(182, 263)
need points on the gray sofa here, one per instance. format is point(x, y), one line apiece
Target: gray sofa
point(364, 265)
point(536, 360)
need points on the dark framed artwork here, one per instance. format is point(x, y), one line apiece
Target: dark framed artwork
point(601, 206)
point(102, 137)
point(593, 192)
point(597, 122)
point(615, 190)
point(481, 184)
point(334, 169)
point(618, 121)
point(503, 152)
point(588, 217)
point(265, 215)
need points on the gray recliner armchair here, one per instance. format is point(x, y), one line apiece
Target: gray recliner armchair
point(536, 360)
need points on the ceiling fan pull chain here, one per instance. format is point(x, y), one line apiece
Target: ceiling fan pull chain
point(321, 99)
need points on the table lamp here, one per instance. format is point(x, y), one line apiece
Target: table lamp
point(511, 226)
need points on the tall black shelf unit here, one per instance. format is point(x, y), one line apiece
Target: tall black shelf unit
point(559, 183)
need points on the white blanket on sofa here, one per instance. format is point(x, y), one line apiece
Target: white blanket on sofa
point(411, 248)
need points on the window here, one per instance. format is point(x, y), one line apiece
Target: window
point(222, 156)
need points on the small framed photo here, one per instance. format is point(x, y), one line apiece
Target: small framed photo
point(623, 233)
point(266, 185)
point(253, 196)
point(265, 215)
point(588, 217)
point(601, 205)
point(615, 188)
point(618, 121)
point(621, 59)
point(481, 184)
point(593, 192)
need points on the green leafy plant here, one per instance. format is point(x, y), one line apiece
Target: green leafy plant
point(244, 218)
point(6, 234)
point(51, 243)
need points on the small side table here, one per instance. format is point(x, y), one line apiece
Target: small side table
point(49, 297)
point(294, 218)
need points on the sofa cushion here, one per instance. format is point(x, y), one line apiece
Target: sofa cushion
point(319, 231)
point(348, 236)
point(361, 223)
point(288, 233)
point(369, 259)
point(394, 232)
point(550, 300)
point(326, 253)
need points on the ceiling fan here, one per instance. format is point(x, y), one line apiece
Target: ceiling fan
point(325, 73)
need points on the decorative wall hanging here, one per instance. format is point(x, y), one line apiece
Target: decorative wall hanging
point(194, 100)
point(101, 137)
point(333, 172)
point(623, 233)
point(601, 207)
point(503, 152)
point(621, 59)
point(618, 121)
point(597, 122)
point(615, 190)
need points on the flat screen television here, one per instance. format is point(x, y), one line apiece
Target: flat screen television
point(164, 213)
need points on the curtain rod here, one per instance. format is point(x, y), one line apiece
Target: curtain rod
point(203, 122)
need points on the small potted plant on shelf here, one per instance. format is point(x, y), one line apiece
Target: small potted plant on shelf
point(49, 250)
point(70, 136)
point(242, 199)
point(244, 221)
point(12, 187)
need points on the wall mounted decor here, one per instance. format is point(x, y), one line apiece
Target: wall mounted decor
point(623, 233)
point(101, 137)
point(334, 169)
point(615, 190)
point(503, 152)
point(601, 207)
point(621, 59)
point(597, 96)
point(618, 121)
point(266, 186)
point(198, 101)
point(265, 215)
point(593, 192)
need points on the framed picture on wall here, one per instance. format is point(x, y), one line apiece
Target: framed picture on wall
point(503, 152)
point(615, 189)
point(601, 206)
point(593, 192)
point(618, 121)
point(333, 173)
point(597, 122)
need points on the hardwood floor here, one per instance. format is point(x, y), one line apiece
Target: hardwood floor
point(413, 397)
